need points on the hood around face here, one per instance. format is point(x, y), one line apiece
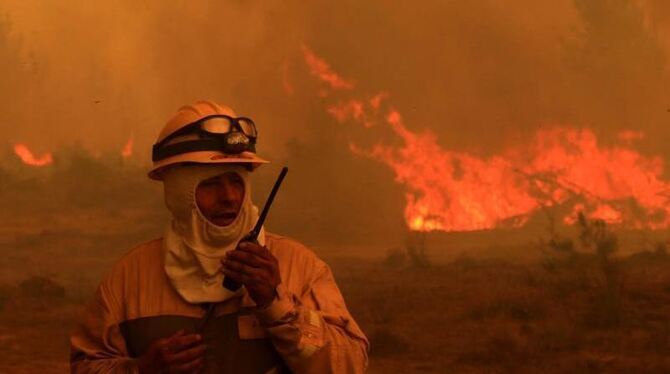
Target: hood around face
point(193, 245)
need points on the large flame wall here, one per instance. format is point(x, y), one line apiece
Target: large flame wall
point(560, 165)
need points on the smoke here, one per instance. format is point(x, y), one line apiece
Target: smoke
point(119, 68)
point(100, 73)
point(109, 69)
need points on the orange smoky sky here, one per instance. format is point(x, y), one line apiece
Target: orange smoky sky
point(96, 72)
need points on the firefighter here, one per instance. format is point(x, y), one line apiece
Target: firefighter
point(162, 307)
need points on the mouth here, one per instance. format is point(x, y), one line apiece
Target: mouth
point(224, 219)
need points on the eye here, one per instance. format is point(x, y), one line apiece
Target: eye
point(209, 182)
point(234, 179)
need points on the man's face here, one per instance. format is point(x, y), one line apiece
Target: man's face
point(220, 198)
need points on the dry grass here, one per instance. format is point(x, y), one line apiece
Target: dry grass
point(493, 316)
point(466, 316)
point(574, 311)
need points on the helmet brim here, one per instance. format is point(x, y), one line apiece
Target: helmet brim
point(206, 157)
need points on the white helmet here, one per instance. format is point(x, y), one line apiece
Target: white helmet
point(207, 133)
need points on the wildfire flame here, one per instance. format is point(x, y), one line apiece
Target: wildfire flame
point(561, 167)
point(320, 69)
point(28, 158)
point(127, 150)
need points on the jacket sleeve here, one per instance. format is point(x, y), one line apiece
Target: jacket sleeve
point(314, 332)
point(96, 345)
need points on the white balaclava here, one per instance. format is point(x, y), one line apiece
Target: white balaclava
point(193, 245)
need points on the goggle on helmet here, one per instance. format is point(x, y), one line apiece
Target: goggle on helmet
point(219, 132)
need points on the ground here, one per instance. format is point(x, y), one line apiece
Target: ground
point(466, 313)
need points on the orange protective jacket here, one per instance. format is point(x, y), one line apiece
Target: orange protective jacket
point(307, 329)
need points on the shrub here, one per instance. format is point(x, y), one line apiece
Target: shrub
point(43, 288)
point(395, 258)
point(416, 250)
point(6, 293)
point(587, 266)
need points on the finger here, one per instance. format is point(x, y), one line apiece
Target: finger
point(189, 367)
point(242, 268)
point(257, 249)
point(234, 264)
point(266, 273)
point(232, 275)
point(244, 278)
point(168, 343)
point(246, 273)
point(187, 355)
point(186, 341)
point(247, 258)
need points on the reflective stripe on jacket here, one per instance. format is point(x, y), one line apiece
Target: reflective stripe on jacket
point(307, 329)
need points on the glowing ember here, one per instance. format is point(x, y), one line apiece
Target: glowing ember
point(562, 168)
point(127, 150)
point(26, 155)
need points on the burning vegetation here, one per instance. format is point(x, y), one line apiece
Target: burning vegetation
point(561, 167)
point(127, 150)
point(500, 172)
point(27, 157)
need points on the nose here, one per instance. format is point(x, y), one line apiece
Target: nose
point(228, 192)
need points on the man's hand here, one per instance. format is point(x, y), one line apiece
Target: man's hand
point(180, 353)
point(256, 268)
